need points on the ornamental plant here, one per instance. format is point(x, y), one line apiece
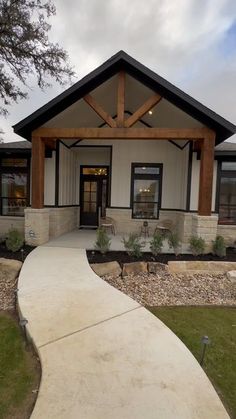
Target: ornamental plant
point(156, 243)
point(219, 248)
point(174, 242)
point(103, 241)
point(133, 245)
point(197, 245)
point(14, 240)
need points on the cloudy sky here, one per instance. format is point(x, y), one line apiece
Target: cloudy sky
point(192, 43)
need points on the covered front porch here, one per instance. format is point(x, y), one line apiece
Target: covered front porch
point(85, 239)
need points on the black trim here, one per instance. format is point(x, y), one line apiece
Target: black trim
point(91, 177)
point(13, 169)
point(61, 206)
point(65, 145)
point(57, 172)
point(225, 154)
point(189, 178)
point(15, 150)
point(220, 173)
point(122, 61)
point(178, 145)
point(146, 176)
point(111, 207)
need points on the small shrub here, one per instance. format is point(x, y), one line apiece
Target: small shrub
point(156, 243)
point(219, 248)
point(174, 242)
point(14, 240)
point(133, 245)
point(197, 245)
point(103, 241)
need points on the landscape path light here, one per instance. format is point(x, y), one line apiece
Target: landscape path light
point(205, 341)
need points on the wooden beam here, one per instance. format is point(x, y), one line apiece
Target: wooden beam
point(124, 133)
point(121, 99)
point(206, 175)
point(50, 143)
point(38, 154)
point(149, 104)
point(99, 110)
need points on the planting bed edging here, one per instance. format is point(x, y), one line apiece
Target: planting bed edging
point(211, 266)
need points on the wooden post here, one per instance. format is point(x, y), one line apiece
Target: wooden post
point(206, 175)
point(38, 154)
point(121, 99)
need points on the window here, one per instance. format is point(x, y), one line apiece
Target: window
point(14, 184)
point(146, 190)
point(227, 193)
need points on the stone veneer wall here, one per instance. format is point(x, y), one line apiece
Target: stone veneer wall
point(7, 222)
point(36, 226)
point(62, 220)
point(126, 224)
point(228, 232)
point(47, 223)
point(187, 224)
point(205, 227)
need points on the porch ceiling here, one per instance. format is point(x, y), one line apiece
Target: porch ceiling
point(164, 114)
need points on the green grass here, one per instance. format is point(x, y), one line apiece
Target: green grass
point(219, 324)
point(18, 375)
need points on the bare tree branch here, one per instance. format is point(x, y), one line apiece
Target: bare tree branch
point(25, 49)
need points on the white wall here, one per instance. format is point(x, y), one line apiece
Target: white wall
point(195, 184)
point(49, 180)
point(67, 176)
point(125, 152)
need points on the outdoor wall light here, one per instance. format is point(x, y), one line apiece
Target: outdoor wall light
point(205, 341)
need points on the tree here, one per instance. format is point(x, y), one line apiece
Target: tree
point(25, 49)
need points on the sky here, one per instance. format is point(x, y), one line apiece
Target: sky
point(191, 43)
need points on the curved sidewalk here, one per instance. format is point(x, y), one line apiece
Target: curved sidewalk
point(102, 354)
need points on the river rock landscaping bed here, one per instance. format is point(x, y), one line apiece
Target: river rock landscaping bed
point(9, 271)
point(153, 284)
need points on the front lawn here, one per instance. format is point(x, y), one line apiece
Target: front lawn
point(219, 324)
point(19, 371)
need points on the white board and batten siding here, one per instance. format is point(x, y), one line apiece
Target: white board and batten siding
point(125, 152)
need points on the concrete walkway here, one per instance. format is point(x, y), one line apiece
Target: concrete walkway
point(104, 356)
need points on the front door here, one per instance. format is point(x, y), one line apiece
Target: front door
point(93, 195)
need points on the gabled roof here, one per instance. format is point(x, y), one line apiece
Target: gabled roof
point(226, 149)
point(122, 61)
point(16, 145)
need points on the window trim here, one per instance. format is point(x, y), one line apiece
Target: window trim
point(146, 176)
point(15, 169)
point(220, 174)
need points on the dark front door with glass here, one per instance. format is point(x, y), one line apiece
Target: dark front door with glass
point(93, 195)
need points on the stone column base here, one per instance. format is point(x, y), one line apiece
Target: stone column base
point(205, 227)
point(36, 226)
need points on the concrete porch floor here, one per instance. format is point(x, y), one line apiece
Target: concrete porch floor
point(85, 239)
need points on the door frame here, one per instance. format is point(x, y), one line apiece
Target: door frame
point(90, 178)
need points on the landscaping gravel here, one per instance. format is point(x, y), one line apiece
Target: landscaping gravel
point(8, 286)
point(177, 289)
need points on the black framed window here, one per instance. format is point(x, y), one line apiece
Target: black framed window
point(146, 183)
point(227, 192)
point(14, 184)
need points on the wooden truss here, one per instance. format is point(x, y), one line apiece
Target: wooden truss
point(122, 128)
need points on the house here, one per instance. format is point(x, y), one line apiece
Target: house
point(125, 143)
